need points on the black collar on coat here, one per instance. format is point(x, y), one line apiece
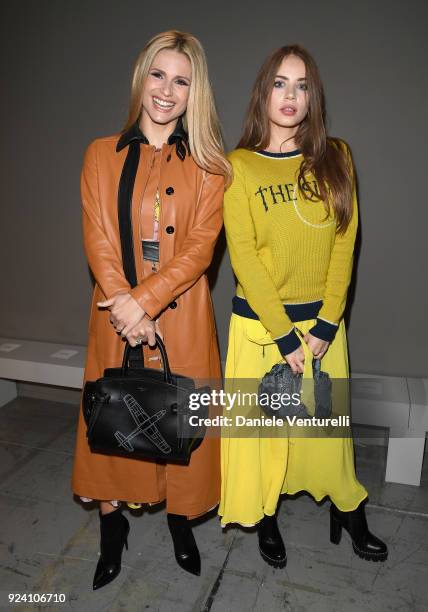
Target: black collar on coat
point(179, 137)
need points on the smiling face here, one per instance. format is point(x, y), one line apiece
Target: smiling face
point(289, 101)
point(167, 86)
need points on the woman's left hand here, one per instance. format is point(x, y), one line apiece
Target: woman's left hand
point(317, 347)
point(125, 312)
point(145, 331)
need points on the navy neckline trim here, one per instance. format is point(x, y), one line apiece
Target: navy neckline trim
point(279, 155)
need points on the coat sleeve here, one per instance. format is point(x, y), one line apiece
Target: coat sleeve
point(154, 293)
point(104, 261)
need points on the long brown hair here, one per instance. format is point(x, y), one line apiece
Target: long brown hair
point(327, 158)
point(200, 119)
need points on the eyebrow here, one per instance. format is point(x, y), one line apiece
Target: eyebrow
point(177, 76)
point(280, 76)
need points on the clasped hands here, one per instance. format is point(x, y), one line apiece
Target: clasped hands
point(296, 359)
point(130, 320)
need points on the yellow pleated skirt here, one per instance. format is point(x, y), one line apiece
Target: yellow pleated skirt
point(257, 470)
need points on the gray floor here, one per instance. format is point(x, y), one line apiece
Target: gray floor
point(49, 543)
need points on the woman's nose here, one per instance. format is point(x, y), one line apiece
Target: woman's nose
point(166, 88)
point(290, 92)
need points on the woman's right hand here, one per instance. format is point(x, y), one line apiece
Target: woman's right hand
point(125, 312)
point(144, 331)
point(296, 360)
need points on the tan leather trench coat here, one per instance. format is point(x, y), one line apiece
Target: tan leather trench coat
point(177, 295)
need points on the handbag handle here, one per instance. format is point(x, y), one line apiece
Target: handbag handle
point(316, 363)
point(162, 349)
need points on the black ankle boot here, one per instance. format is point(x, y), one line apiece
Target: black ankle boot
point(271, 544)
point(365, 544)
point(185, 548)
point(114, 529)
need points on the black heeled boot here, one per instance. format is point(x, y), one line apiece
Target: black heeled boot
point(271, 544)
point(114, 528)
point(185, 548)
point(365, 544)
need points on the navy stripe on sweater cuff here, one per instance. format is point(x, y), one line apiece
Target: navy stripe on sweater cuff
point(288, 343)
point(324, 330)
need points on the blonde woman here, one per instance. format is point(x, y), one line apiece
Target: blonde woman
point(162, 179)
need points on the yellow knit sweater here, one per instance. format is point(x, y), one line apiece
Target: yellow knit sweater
point(282, 247)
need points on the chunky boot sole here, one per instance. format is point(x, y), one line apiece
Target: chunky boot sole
point(271, 542)
point(368, 556)
point(273, 562)
point(336, 536)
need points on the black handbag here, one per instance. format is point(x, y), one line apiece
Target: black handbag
point(143, 412)
point(282, 380)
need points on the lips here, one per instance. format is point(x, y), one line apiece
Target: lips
point(288, 109)
point(164, 106)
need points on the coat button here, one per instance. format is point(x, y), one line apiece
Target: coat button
point(173, 305)
point(169, 229)
point(168, 157)
point(169, 190)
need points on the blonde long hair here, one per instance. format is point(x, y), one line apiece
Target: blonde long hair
point(200, 119)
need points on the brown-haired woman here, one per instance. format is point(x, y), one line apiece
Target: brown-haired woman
point(166, 174)
point(291, 218)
